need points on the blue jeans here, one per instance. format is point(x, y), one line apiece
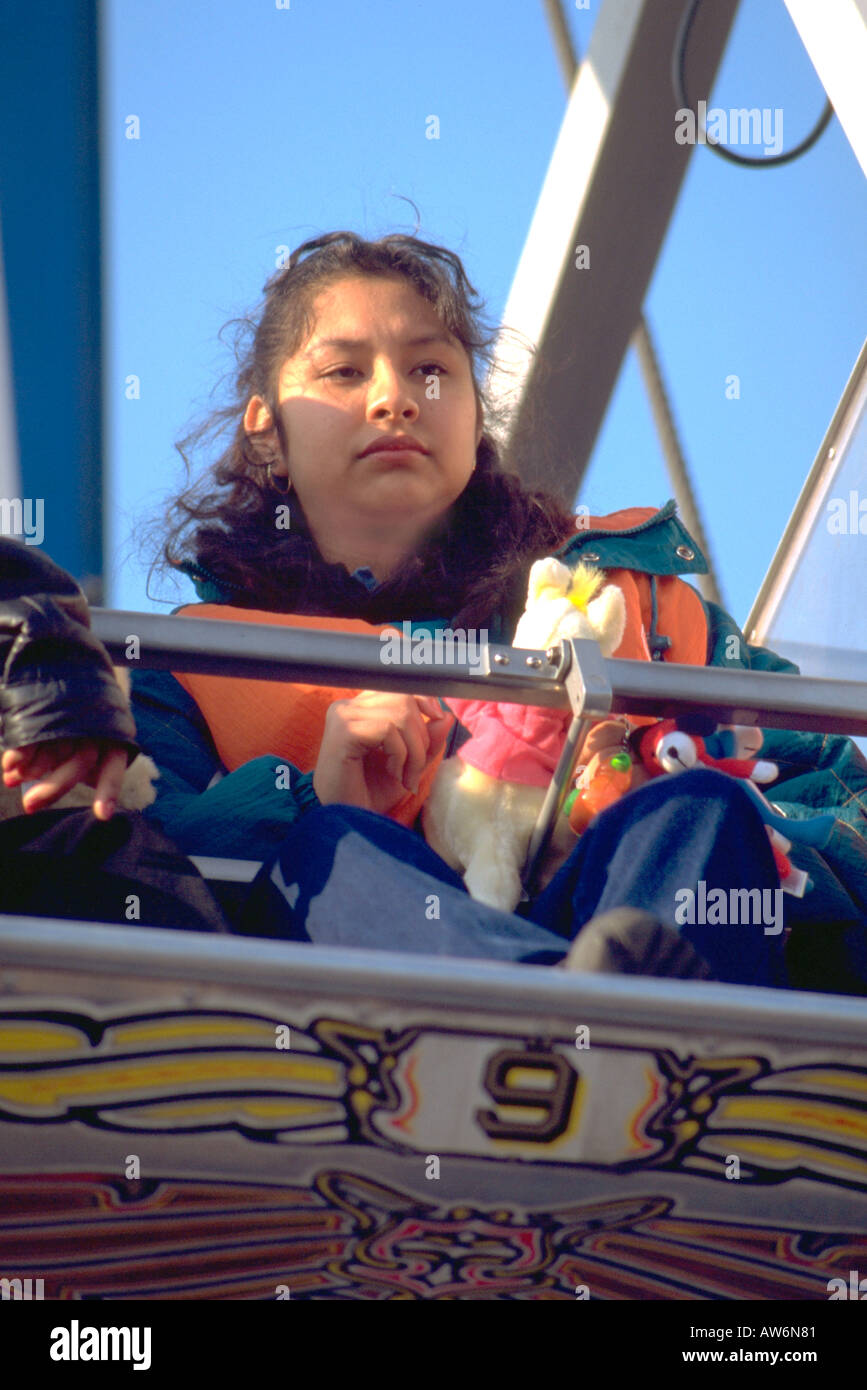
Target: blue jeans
point(354, 878)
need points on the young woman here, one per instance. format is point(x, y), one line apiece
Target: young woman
point(361, 487)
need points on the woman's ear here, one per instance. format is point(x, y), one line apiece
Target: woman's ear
point(259, 427)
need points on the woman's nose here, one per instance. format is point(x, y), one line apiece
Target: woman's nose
point(389, 391)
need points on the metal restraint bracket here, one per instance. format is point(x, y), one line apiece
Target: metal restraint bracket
point(581, 668)
point(585, 676)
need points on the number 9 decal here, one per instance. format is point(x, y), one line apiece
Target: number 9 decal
point(555, 1100)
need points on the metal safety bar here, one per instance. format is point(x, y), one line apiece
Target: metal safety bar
point(265, 652)
point(572, 675)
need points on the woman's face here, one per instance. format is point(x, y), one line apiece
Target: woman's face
point(365, 375)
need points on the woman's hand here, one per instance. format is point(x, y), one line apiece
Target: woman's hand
point(376, 746)
point(60, 764)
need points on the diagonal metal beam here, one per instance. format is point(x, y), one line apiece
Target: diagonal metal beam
point(648, 359)
point(611, 186)
point(835, 36)
point(675, 459)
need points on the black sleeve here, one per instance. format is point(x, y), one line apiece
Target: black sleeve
point(56, 678)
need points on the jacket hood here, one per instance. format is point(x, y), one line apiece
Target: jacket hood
point(652, 540)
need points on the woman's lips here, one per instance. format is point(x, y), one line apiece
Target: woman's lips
point(393, 444)
point(397, 454)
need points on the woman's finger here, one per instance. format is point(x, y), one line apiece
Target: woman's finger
point(108, 779)
point(45, 757)
point(33, 762)
point(425, 741)
point(15, 757)
point(371, 731)
point(417, 738)
point(392, 754)
point(15, 764)
point(439, 730)
point(86, 756)
point(373, 718)
point(60, 780)
point(430, 705)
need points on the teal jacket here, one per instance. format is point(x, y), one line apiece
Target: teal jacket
point(245, 813)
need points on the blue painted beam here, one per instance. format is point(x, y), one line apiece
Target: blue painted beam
point(50, 210)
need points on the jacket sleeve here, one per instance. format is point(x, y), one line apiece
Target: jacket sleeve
point(727, 646)
point(56, 678)
point(205, 809)
point(818, 772)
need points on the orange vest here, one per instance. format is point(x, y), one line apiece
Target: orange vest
point(249, 718)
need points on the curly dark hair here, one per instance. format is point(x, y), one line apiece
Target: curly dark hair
point(474, 564)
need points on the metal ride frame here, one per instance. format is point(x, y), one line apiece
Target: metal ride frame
point(573, 675)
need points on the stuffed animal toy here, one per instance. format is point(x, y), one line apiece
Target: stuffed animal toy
point(485, 801)
point(137, 790)
point(667, 748)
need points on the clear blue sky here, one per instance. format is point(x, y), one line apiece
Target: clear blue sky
point(263, 126)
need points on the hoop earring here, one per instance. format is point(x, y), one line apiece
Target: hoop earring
point(272, 482)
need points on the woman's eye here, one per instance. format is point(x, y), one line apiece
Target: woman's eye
point(428, 368)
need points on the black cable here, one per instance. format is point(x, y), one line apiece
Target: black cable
point(678, 80)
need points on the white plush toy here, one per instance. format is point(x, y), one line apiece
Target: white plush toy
point(484, 801)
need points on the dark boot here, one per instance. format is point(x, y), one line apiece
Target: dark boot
point(628, 941)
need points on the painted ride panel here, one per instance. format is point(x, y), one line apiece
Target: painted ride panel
point(185, 1116)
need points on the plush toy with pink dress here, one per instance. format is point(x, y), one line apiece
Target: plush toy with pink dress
point(485, 800)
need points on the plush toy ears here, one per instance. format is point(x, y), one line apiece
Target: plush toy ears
point(548, 575)
point(551, 579)
point(585, 584)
